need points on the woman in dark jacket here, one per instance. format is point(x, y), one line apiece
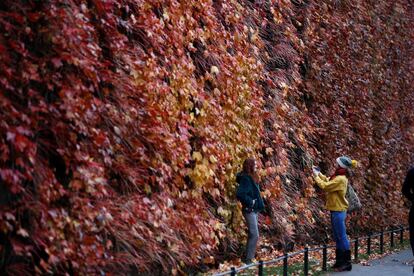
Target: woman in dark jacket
point(408, 192)
point(248, 193)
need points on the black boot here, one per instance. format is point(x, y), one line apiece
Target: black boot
point(346, 264)
point(348, 260)
point(338, 258)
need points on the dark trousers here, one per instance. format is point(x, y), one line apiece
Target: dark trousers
point(411, 224)
point(339, 230)
point(253, 237)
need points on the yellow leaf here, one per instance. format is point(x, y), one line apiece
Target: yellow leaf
point(213, 159)
point(214, 70)
point(215, 192)
point(208, 260)
point(197, 156)
point(269, 151)
point(22, 232)
point(266, 193)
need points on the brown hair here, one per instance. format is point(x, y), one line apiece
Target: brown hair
point(249, 168)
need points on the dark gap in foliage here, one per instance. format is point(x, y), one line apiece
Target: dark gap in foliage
point(231, 51)
point(208, 86)
point(157, 11)
point(48, 144)
point(304, 67)
point(104, 90)
point(10, 263)
point(38, 43)
point(199, 59)
point(6, 197)
point(276, 63)
point(307, 98)
point(120, 185)
point(299, 3)
point(219, 15)
point(50, 96)
point(136, 35)
point(125, 12)
point(229, 27)
point(103, 40)
point(298, 25)
point(269, 33)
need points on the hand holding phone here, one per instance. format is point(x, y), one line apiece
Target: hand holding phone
point(316, 171)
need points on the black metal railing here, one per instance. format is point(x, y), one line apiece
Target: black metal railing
point(261, 264)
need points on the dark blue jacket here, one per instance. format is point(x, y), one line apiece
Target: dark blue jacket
point(247, 191)
point(408, 186)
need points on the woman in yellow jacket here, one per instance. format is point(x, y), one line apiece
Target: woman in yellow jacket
point(335, 188)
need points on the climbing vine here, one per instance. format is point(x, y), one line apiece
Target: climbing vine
point(123, 124)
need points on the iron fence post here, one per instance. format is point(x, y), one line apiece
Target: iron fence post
point(356, 249)
point(306, 256)
point(393, 241)
point(261, 268)
point(369, 245)
point(285, 265)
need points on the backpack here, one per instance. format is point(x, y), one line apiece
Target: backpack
point(353, 199)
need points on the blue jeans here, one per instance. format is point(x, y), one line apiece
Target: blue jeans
point(253, 237)
point(339, 230)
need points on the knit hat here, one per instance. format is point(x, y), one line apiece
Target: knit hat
point(346, 162)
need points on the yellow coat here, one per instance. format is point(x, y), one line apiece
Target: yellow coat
point(335, 191)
